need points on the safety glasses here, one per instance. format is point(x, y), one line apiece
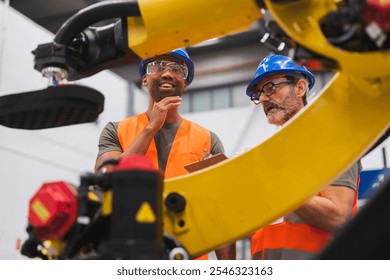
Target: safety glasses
point(267, 89)
point(159, 67)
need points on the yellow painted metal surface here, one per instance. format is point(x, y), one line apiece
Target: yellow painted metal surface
point(107, 203)
point(228, 201)
point(170, 24)
point(234, 198)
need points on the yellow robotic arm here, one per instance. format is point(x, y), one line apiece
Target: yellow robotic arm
point(301, 21)
point(231, 200)
point(248, 192)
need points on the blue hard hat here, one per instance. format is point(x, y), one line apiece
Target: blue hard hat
point(180, 54)
point(274, 64)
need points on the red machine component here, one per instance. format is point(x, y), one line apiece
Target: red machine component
point(53, 210)
point(377, 11)
point(139, 162)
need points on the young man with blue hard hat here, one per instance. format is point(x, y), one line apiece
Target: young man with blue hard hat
point(167, 139)
point(281, 87)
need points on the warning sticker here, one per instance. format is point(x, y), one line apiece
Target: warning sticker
point(40, 210)
point(145, 214)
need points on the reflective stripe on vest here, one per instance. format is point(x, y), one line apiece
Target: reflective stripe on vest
point(190, 142)
point(292, 239)
point(297, 238)
point(283, 254)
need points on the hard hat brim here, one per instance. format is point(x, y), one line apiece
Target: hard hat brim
point(253, 83)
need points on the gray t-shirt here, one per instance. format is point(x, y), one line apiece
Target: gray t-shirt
point(349, 177)
point(164, 138)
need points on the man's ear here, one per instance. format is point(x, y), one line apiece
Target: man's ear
point(144, 80)
point(185, 86)
point(301, 87)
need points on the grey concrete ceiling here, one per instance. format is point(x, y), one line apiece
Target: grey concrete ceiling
point(50, 14)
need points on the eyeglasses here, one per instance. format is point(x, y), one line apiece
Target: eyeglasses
point(159, 67)
point(268, 89)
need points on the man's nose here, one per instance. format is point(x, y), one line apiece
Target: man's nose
point(167, 72)
point(263, 98)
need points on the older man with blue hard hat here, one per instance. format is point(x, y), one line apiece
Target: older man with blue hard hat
point(279, 73)
point(281, 87)
point(166, 138)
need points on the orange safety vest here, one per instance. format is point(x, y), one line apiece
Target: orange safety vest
point(292, 238)
point(190, 142)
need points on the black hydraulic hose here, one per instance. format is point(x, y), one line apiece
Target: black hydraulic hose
point(345, 37)
point(93, 14)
